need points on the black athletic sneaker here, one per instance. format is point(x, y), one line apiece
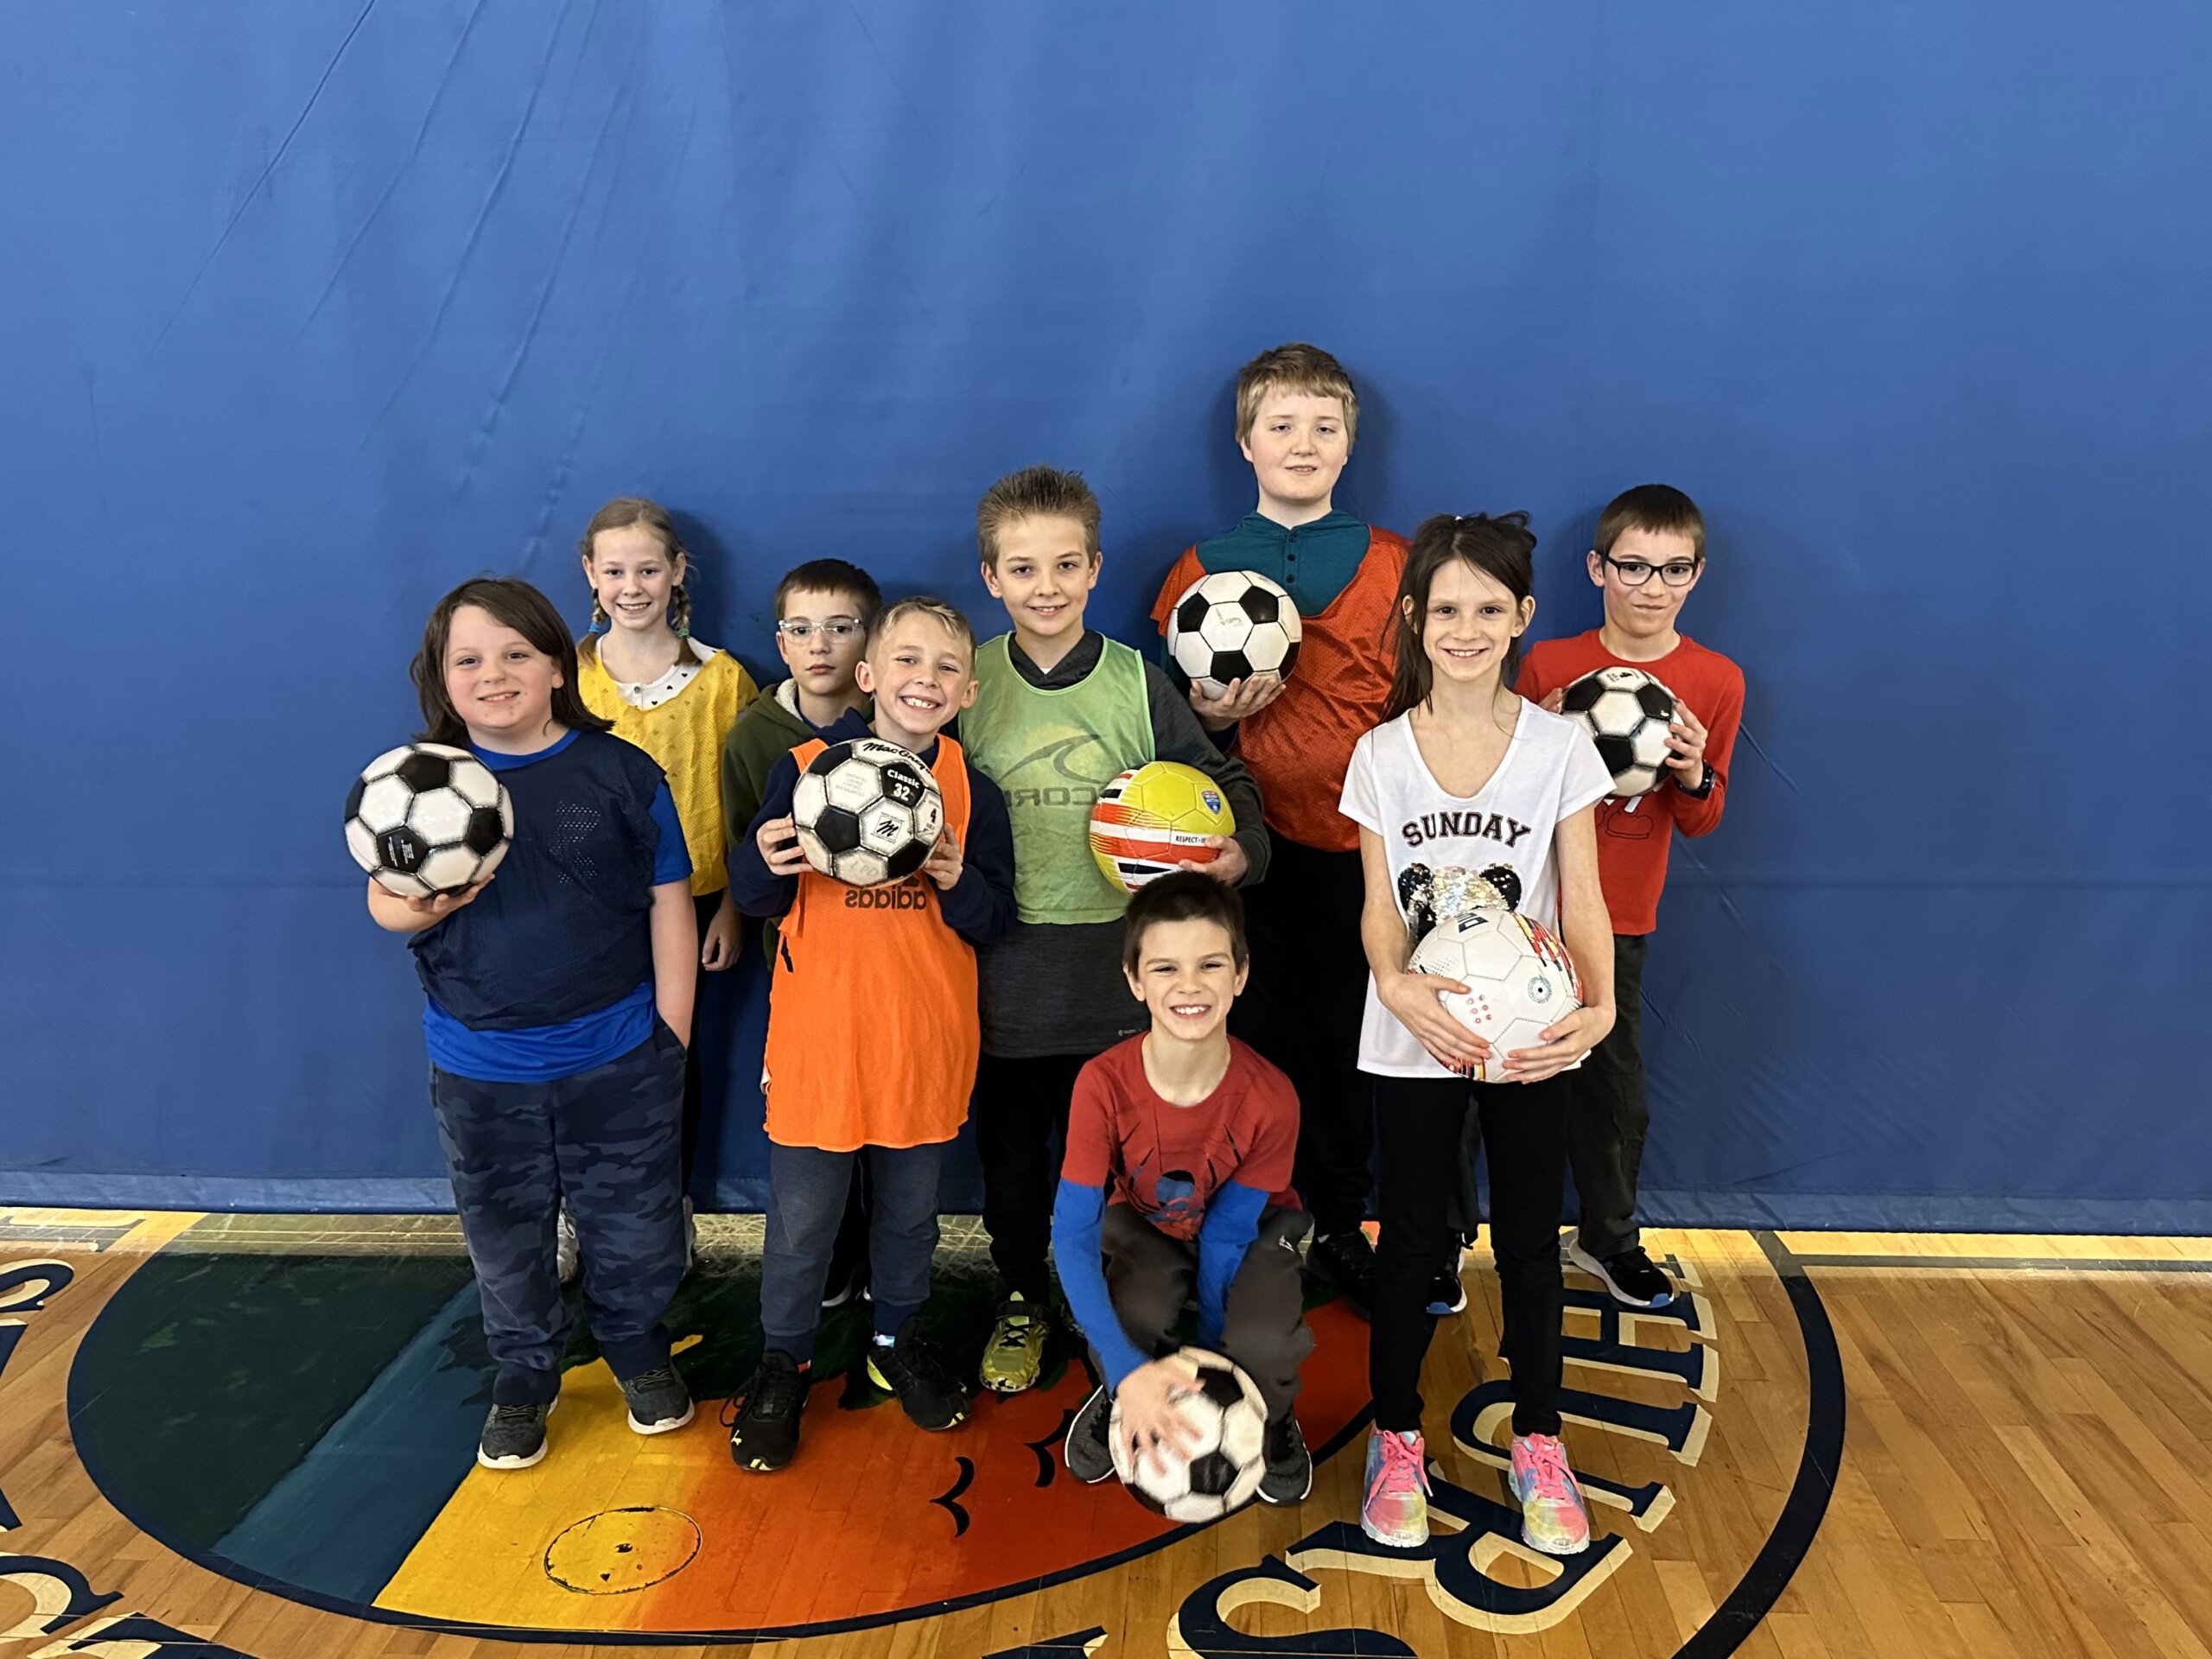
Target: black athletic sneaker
point(1290, 1465)
point(1088, 1453)
point(1447, 1295)
point(658, 1400)
point(1346, 1261)
point(763, 1435)
point(513, 1437)
point(1631, 1277)
point(910, 1369)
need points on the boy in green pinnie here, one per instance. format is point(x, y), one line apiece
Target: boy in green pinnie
point(1060, 711)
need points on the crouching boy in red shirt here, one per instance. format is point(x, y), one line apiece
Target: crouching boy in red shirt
point(1178, 1156)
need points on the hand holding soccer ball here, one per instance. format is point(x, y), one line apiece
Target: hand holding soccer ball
point(1507, 980)
point(1234, 635)
point(1188, 1440)
point(1685, 740)
point(1148, 1418)
point(430, 822)
point(866, 811)
point(1632, 718)
point(1162, 816)
point(944, 863)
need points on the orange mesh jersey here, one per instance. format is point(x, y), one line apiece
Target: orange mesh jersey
point(871, 1027)
point(1298, 746)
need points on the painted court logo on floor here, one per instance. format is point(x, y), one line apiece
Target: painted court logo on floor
point(362, 1498)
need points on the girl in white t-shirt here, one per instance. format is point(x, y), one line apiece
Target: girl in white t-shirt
point(1466, 774)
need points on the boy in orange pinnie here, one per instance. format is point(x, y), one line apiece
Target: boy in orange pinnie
point(873, 1035)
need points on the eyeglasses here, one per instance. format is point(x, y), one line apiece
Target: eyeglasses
point(1634, 573)
point(799, 630)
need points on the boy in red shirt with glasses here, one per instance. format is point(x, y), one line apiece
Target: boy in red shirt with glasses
point(1647, 557)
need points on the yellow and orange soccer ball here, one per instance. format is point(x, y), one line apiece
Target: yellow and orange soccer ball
point(1153, 817)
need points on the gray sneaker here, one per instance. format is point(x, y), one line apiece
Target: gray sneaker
point(513, 1437)
point(1088, 1453)
point(658, 1400)
point(1290, 1465)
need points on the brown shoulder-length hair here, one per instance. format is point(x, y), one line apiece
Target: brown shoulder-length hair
point(513, 603)
point(1501, 548)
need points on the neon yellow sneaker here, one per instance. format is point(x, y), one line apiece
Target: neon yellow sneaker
point(1015, 1352)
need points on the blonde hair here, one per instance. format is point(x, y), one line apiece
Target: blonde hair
point(945, 615)
point(1036, 492)
point(1294, 367)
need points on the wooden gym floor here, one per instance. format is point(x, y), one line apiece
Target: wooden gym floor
point(227, 1435)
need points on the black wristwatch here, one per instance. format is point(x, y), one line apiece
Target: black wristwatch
point(1704, 784)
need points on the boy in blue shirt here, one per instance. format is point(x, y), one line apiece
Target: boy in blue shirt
point(558, 1002)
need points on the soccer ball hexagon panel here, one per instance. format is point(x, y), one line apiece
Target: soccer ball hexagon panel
point(1627, 712)
point(428, 818)
point(867, 812)
point(1231, 625)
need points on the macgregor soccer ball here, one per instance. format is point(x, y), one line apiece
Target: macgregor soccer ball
point(867, 812)
point(1628, 712)
point(1231, 625)
point(1519, 979)
point(426, 818)
point(1223, 1469)
point(1153, 817)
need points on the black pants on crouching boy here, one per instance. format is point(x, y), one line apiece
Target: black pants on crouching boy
point(606, 1140)
point(1418, 1123)
point(1150, 1276)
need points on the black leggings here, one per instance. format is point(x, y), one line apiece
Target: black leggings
point(1021, 1106)
point(1417, 1125)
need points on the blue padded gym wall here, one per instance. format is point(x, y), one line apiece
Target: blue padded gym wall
point(312, 309)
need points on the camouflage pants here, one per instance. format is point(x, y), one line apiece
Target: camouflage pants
point(606, 1140)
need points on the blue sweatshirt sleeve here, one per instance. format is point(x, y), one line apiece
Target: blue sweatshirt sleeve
point(1232, 1222)
point(979, 906)
point(1075, 1213)
point(752, 888)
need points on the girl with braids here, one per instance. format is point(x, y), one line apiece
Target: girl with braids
point(640, 669)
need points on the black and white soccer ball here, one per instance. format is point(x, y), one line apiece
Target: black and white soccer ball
point(1231, 625)
point(867, 812)
point(1227, 1457)
point(427, 818)
point(1628, 712)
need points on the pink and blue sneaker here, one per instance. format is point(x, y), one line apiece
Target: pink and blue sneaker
point(1394, 1510)
point(1552, 1516)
